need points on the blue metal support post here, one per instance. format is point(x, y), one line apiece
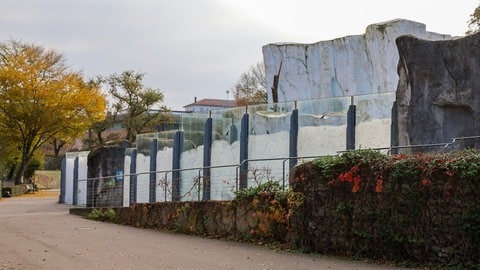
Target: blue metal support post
point(394, 129)
point(153, 168)
point(177, 152)
point(351, 122)
point(75, 182)
point(244, 132)
point(207, 157)
point(63, 181)
point(133, 177)
point(293, 138)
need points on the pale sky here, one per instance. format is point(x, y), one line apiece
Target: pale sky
point(199, 48)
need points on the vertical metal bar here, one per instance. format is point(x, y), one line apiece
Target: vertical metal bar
point(293, 139)
point(177, 151)
point(165, 187)
point(237, 169)
point(207, 158)
point(92, 204)
point(90, 183)
point(199, 184)
point(153, 169)
point(351, 122)
point(75, 182)
point(133, 177)
point(244, 132)
point(283, 173)
point(394, 129)
point(63, 181)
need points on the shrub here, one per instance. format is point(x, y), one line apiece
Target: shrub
point(264, 211)
point(108, 214)
point(416, 207)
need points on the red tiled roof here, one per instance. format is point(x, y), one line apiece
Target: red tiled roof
point(213, 103)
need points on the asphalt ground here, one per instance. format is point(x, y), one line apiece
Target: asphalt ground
point(38, 233)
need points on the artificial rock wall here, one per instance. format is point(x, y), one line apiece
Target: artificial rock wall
point(103, 162)
point(347, 66)
point(438, 95)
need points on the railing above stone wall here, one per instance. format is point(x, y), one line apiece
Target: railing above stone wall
point(273, 132)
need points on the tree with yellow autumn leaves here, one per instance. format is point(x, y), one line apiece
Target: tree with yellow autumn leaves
point(41, 100)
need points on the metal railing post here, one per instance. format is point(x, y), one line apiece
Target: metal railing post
point(152, 195)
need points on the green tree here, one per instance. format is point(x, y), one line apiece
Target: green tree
point(251, 88)
point(40, 100)
point(98, 128)
point(474, 22)
point(137, 107)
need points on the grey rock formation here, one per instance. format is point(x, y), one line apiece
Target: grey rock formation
point(347, 66)
point(106, 164)
point(438, 94)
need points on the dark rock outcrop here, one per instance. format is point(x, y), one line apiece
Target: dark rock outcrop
point(105, 169)
point(438, 94)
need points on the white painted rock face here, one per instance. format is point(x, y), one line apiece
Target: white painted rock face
point(352, 65)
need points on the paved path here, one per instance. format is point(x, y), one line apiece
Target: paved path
point(38, 233)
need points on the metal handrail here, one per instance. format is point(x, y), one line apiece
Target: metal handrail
point(201, 169)
point(445, 145)
point(283, 159)
point(243, 162)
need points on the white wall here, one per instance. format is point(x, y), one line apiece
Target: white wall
point(143, 178)
point(189, 190)
point(126, 180)
point(82, 175)
point(164, 181)
point(223, 184)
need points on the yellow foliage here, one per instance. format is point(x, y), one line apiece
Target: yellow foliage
point(38, 94)
point(40, 98)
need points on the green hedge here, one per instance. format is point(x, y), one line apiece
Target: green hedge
point(418, 208)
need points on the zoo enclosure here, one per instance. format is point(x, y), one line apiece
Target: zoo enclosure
point(234, 148)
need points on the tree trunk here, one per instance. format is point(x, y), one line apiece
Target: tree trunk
point(21, 171)
point(100, 139)
point(19, 175)
point(11, 173)
point(57, 146)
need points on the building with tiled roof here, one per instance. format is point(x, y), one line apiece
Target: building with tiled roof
point(208, 104)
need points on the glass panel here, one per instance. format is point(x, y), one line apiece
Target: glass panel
point(192, 157)
point(373, 119)
point(268, 142)
point(144, 142)
point(164, 165)
point(322, 126)
point(225, 152)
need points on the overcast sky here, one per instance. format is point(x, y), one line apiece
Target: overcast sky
point(199, 48)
